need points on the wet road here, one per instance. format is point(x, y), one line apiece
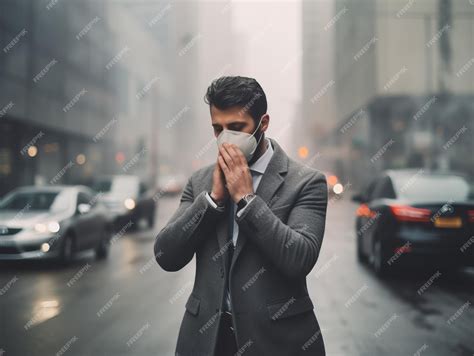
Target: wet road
point(127, 305)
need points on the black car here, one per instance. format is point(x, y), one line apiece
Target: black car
point(52, 222)
point(414, 217)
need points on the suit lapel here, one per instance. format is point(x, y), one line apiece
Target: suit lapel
point(270, 182)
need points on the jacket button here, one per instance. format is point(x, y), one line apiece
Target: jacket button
point(221, 270)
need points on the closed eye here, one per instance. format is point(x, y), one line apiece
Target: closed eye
point(236, 126)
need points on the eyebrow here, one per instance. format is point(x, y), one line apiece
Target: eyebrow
point(232, 123)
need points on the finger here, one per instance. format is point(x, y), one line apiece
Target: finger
point(239, 159)
point(225, 171)
point(226, 155)
point(229, 173)
point(238, 167)
point(223, 165)
point(237, 155)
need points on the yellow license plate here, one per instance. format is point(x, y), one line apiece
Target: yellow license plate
point(454, 222)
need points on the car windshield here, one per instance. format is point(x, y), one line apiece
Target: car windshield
point(119, 185)
point(34, 201)
point(433, 188)
point(102, 186)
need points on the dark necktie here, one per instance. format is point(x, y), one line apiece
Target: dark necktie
point(230, 230)
point(231, 221)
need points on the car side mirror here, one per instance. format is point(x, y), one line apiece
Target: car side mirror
point(358, 198)
point(83, 208)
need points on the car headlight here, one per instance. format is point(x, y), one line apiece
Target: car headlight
point(129, 203)
point(40, 227)
point(52, 226)
point(45, 247)
point(338, 188)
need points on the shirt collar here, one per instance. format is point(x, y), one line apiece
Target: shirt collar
point(262, 162)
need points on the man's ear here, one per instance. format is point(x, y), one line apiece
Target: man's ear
point(265, 122)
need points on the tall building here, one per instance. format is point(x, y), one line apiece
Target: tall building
point(67, 73)
point(317, 103)
point(395, 47)
point(403, 84)
point(196, 46)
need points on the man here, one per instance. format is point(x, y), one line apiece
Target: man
point(255, 220)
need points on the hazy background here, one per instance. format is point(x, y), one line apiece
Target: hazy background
point(134, 74)
point(91, 88)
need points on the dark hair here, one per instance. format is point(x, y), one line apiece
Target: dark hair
point(226, 92)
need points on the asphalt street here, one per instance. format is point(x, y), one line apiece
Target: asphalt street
point(127, 305)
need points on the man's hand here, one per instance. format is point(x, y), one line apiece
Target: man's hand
point(236, 171)
point(219, 192)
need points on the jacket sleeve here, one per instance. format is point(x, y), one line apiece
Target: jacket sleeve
point(178, 240)
point(293, 247)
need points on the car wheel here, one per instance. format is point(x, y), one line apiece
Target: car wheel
point(151, 221)
point(102, 250)
point(360, 253)
point(67, 250)
point(379, 261)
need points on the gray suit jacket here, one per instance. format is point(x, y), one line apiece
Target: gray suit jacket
point(280, 236)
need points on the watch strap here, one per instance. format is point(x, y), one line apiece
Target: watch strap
point(244, 201)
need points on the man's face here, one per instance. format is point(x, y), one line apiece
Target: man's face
point(234, 118)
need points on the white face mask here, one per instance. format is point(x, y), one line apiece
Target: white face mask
point(245, 141)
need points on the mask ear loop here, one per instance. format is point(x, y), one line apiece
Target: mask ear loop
point(258, 127)
point(261, 135)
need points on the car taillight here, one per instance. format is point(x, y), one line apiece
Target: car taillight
point(364, 211)
point(409, 213)
point(403, 249)
point(470, 215)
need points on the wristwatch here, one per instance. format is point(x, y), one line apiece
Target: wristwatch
point(245, 200)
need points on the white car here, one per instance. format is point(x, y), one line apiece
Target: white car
point(127, 198)
point(52, 222)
